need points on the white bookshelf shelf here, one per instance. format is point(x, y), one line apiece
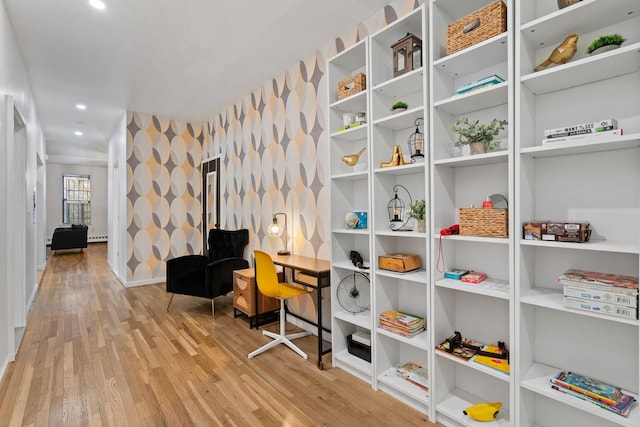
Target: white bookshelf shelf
point(419, 341)
point(474, 160)
point(390, 379)
point(456, 401)
point(488, 287)
point(474, 100)
point(553, 299)
point(591, 245)
point(419, 276)
point(362, 320)
point(537, 380)
point(475, 366)
point(622, 142)
point(354, 365)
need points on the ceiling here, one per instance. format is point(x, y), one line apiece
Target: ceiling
point(184, 59)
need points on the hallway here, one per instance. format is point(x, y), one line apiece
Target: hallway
point(95, 353)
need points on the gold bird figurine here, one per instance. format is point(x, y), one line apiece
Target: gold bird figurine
point(562, 53)
point(352, 159)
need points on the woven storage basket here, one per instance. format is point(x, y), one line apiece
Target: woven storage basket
point(484, 222)
point(492, 21)
point(352, 85)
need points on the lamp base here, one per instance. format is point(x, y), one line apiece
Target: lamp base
point(284, 253)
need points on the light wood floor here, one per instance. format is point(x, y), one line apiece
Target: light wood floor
point(95, 353)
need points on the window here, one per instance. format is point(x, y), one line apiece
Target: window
point(76, 199)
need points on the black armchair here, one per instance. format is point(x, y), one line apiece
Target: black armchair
point(212, 276)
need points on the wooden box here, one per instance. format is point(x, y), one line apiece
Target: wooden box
point(478, 26)
point(352, 85)
point(244, 294)
point(484, 222)
point(399, 262)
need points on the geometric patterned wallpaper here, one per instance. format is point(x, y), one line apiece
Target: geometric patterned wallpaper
point(273, 149)
point(164, 211)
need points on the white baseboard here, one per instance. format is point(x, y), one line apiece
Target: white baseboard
point(145, 282)
point(3, 369)
point(32, 298)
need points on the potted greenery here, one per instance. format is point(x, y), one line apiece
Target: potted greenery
point(605, 43)
point(419, 213)
point(479, 136)
point(399, 106)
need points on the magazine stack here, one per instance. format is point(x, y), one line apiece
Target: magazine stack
point(604, 395)
point(604, 293)
point(400, 323)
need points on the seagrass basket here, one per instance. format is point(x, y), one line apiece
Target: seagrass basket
point(352, 85)
point(484, 222)
point(478, 26)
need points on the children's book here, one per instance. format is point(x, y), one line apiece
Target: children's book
point(590, 387)
point(415, 374)
point(622, 408)
point(501, 365)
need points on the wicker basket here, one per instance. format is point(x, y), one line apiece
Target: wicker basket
point(485, 23)
point(484, 222)
point(352, 85)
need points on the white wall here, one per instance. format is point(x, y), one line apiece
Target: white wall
point(117, 199)
point(98, 228)
point(15, 83)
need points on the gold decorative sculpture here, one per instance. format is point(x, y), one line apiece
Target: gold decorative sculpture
point(562, 53)
point(352, 159)
point(397, 158)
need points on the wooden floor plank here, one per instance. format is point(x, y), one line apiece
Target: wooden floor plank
point(95, 353)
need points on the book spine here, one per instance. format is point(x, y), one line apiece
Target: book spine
point(588, 136)
point(583, 391)
point(587, 399)
point(580, 132)
point(593, 125)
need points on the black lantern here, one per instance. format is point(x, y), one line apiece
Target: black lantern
point(416, 144)
point(396, 210)
point(407, 54)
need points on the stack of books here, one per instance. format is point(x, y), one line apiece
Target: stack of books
point(604, 293)
point(404, 324)
point(414, 373)
point(584, 131)
point(604, 395)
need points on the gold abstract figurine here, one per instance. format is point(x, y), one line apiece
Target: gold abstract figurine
point(397, 158)
point(562, 53)
point(352, 159)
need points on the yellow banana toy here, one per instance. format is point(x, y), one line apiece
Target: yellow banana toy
point(483, 411)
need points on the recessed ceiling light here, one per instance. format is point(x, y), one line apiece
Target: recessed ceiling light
point(78, 133)
point(81, 106)
point(98, 4)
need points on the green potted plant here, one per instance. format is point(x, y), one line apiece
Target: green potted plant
point(419, 213)
point(479, 136)
point(399, 106)
point(605, 43)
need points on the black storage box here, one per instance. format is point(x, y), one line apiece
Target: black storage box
point(357, 349)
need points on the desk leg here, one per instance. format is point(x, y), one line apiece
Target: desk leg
point(319, 291)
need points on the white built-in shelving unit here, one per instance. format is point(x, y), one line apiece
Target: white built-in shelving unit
point(597, 182)
point(406, 292)
point(350, 191)
point(521, 304)
point(484, 313)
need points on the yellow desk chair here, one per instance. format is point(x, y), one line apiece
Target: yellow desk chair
point(267, 281)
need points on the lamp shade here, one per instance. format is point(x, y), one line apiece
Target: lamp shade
point(274, 229)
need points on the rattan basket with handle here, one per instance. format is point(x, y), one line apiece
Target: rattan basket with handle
point(478, 26)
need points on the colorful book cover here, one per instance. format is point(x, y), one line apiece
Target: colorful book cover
point(402, 318)
point(597, 278)
point(501, 365)
point(415, 374)
point(622, 408)
point(595, 389)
